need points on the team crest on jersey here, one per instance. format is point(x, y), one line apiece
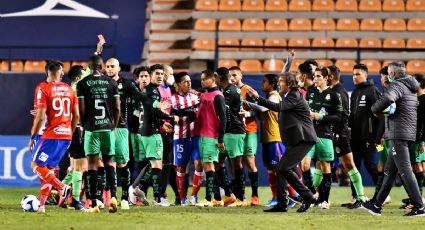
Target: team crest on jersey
point(363, 97)
point(328, 97)
point(119, 86)
point(43, 157)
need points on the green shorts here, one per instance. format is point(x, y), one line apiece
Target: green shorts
point(234, 144)
point(208, 149)
point(323, 150)
point(99, 143)
point(153, 147)
point(122, 155)
point(139, 153)
point(250, 145)
point(384, 153)
point(415, 155)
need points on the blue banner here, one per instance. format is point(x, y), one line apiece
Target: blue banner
point(15, 163)
point(68, 29)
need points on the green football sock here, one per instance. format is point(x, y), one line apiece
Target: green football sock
point(68, 178)
point(356, 179)
point(77, 179)
point(317, 177)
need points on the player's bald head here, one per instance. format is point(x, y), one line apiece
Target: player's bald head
point(112, 67)
point(113, 61)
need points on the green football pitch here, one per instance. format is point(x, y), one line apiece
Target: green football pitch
point(12, 217)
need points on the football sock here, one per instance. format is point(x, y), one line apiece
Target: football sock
point(187, 183)
point(173, 182)
point(156, 180)
point(273, 183)
point(92, 185)
point(86, 185)
point(209, 185)
point(181, 184)
point(77, 179)
point(125, 181)
point(356, 179)
point(68, 178)
point(308, 180)
point(216, 188)
point(326, 186)
point(420, 179)
point(101, 183)
point(44, 192)
point(197, 182)
point(164, 180)
point(146, 180)
point(253, 177)
point(48, 176)
point(317, 177)
point(111, 177)
point(240, 184)
point(142, 172)
point(223, 181)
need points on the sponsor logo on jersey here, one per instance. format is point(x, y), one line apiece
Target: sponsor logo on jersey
point(62, 130)
point(43, 157)
point(328, 97)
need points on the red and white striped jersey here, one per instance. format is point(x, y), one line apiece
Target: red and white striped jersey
point(184, 128)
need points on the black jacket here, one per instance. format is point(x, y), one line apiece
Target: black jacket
point(342, 127)
point(402, 124)
point(295, 124)
point(363, 123)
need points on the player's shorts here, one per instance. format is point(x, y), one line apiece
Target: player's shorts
point(384, 153)
point(208, 149)
point(139, 153)
point(49, 152)
point(76, 149)
point(342, 144)
point(323, 150)
point(250, 145)
point(99, 143)
point(153, 147)
point(186, 149)
point(122, 155)
point(272, 152)
point(234, 144)
point(415, 155)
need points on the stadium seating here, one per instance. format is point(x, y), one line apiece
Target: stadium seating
point(370, 42)
point(273, 65)
point(324, 24)
point(206, 5)
point(34, 66)
point(416, 43)
point(300, 24)
point(299, 42)
point(252, 42)
point(323, 42)
point(347, 42)
point(229, 5)
point(416, 66)
point(373, 66)
point(17, 66)
point(346, 66)
point(253, 5)
point(415, 5)
point(203, 44)
point(394, 43)
point(253, 24)
point(295, 64)
point(82, 63)
point(371, 24)
point(274, 42)
point(324, 62)
point(206, 24)
point(395, 24)
point(370, 5)
point(346, 5)
point(229, 24)
point(276, 5)
point(393, 5)
point(416, 24)
point(276, 24)
point(323, 5)
point(229, 41)
point(299, 5)
point(348, 24)
point(250, 66)
point(227, 63)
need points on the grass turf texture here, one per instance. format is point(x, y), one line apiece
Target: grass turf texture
point(12, 217)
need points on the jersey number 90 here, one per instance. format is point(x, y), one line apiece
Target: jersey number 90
point(62, 106)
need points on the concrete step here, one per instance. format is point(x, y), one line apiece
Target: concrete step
point(171, 24)
point(170, 44)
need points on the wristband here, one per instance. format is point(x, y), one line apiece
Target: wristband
point(33, 137)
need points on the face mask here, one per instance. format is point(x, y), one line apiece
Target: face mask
point(301, 84)
point(170, 80)
point(390, 79)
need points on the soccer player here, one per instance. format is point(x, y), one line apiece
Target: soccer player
point(342, 138)
point(251, 137)
point(150, 123)
point(326, 110)
point(210, 126)
point(99, 102)
point(234, 136)
point(59, 104)
point(126, 90)
point(186, 146)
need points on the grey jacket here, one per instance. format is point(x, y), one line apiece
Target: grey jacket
point(402, 124)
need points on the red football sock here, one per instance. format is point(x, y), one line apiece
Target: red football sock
point(181, 184)
point(197, 183)
point(291, 191)
point(48, 176)
point(273, 183)
point(44, 191)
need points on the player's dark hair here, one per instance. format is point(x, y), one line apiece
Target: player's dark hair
point(334, 72)
point(179, 76)
point(361, 67)
point(222, 74)
point(421, 79)
point(306, 69)
point(235, 68)
point(323, 71)
point(54, 67)
point(93, 62)
point(155, 67)
point(290, 79)
point(311, 62)
point(74, 72)
point(140, 69)
point(384, 71)
point(208, 73)
point(272, 78)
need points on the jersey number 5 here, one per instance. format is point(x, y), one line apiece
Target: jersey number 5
point(62, 106)
point(97, 106)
